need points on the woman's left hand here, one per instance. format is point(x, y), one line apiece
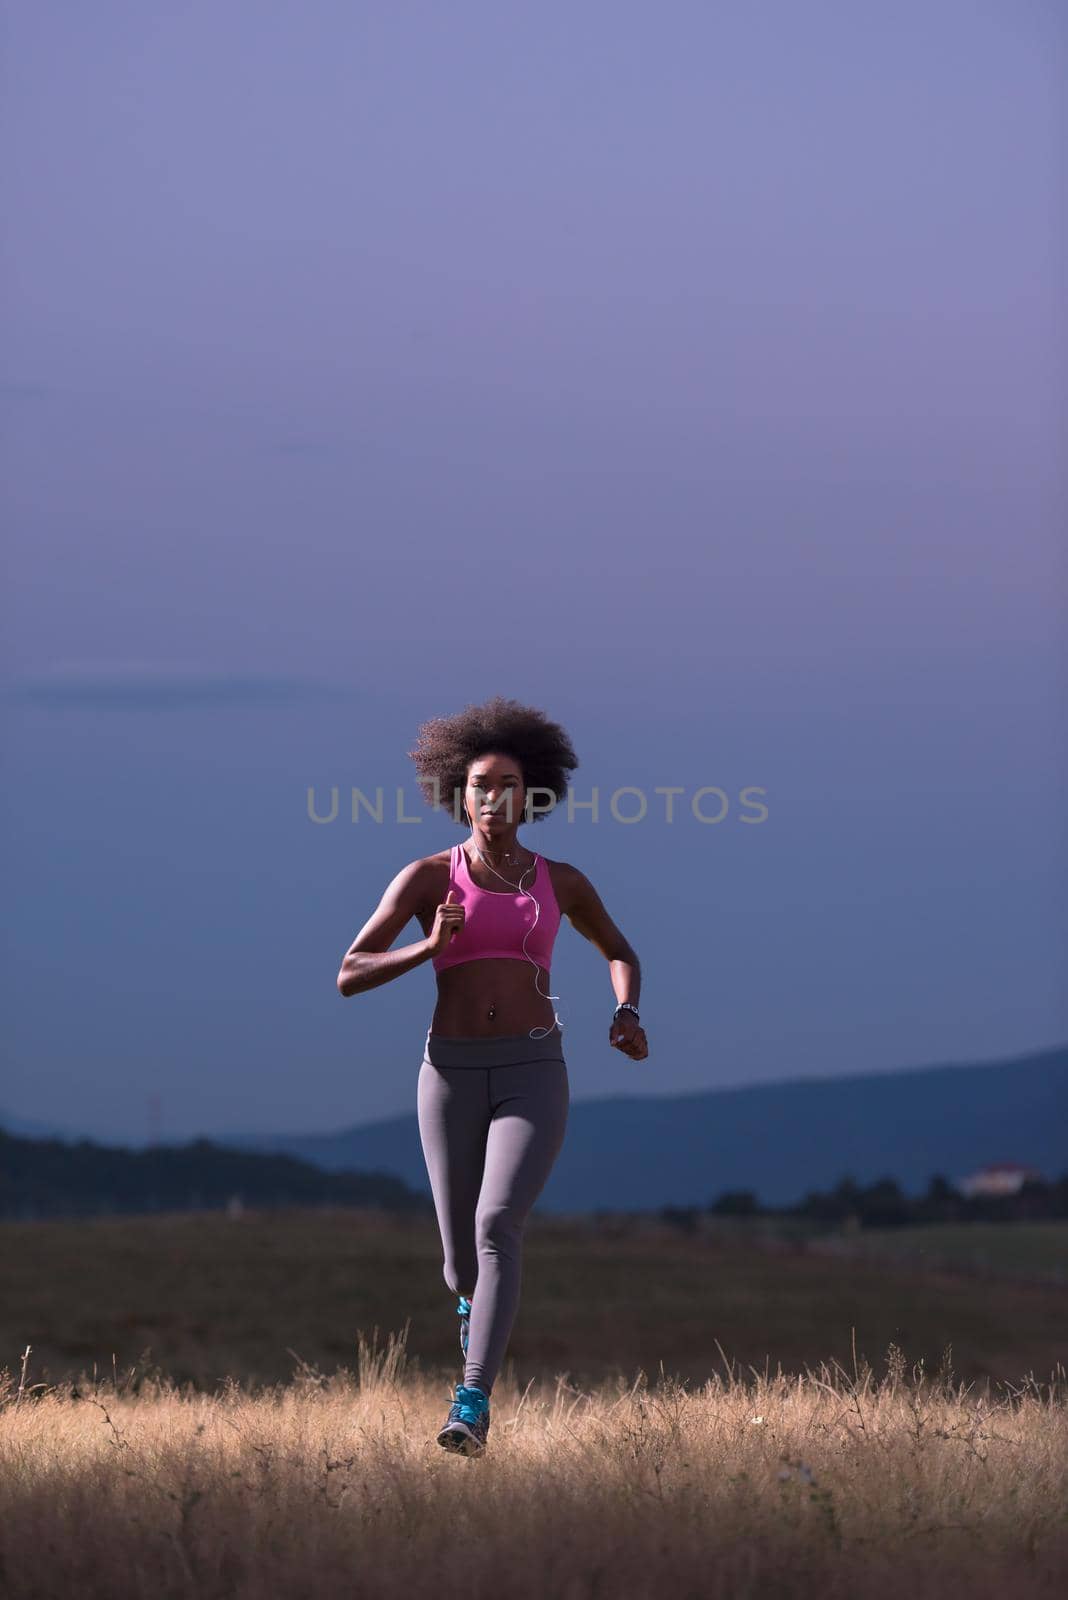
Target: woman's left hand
point(627, 1034)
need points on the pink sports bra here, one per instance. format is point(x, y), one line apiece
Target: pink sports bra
point(495, 924)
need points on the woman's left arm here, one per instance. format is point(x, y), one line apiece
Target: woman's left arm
point(585, 911)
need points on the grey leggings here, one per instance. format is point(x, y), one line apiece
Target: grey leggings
point(492, 1114)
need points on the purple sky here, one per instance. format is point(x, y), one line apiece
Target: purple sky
point(696, 373)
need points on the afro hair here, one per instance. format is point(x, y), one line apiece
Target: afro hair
point(446, 746)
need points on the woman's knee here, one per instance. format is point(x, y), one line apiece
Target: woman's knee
point(498, 1228)
point(460, 1279)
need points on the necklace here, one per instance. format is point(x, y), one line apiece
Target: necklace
point(513, 861)
point(510, 861)
point(506, 859)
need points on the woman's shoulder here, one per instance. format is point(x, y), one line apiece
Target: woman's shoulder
point(562, 869)
point(425, 879)
point(433, 869)
point(424, 871)
point(567, 881)
point(439, 858)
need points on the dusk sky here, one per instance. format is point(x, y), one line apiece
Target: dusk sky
point(694, 372)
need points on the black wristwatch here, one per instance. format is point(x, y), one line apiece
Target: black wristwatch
point(625, 1005)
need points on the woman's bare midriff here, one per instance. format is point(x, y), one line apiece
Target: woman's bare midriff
point(468, 992)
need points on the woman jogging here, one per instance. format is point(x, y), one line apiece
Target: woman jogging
point(493, 1091)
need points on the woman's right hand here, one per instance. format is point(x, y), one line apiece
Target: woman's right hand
point(448, 920)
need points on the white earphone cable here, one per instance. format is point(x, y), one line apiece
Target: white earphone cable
point(533, 1033)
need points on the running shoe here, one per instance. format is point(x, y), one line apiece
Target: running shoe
point(464, 1312)
point(467, 1424)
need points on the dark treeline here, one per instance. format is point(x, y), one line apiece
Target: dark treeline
point(51, 1178)
point(882, 1204)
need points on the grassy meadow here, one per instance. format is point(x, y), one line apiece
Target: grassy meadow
point(246, 1406)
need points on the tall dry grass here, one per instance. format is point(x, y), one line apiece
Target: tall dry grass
point(830, 1483)
point(211, 1297)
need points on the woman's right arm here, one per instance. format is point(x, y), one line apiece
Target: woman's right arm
point(369, 961)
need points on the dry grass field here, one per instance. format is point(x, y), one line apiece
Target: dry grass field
point(209, 1409)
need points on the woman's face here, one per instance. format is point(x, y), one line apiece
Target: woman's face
point(495, 795)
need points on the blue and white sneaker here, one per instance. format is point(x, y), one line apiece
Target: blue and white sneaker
point(464, 1312)
point(468, 1422)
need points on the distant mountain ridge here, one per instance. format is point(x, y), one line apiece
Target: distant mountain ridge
point(34, 1128)
point(780, 1140)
